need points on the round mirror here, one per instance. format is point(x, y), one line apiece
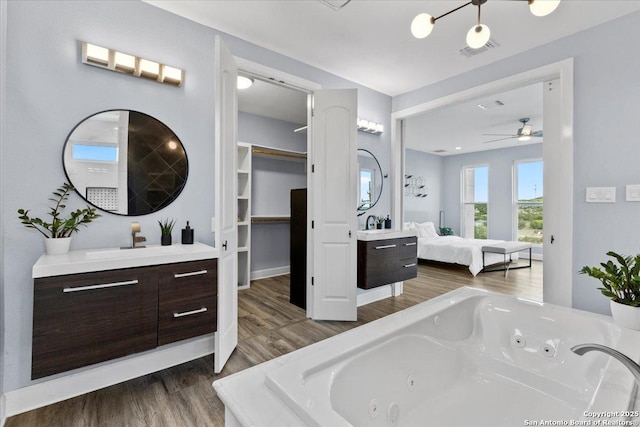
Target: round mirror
point(125, 162)
point(371, 180)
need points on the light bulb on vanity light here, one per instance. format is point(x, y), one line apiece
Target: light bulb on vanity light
point(478, 36)
point(543, 7)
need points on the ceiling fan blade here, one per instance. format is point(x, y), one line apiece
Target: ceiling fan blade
point(500, 134)
point(499, 139)
point(537, 133)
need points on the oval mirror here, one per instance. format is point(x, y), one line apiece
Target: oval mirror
point(125, 162)
point(371, 180)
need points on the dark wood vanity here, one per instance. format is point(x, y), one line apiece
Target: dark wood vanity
point(85, 318)
point(385, 261)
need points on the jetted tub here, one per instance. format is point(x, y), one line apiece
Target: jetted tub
point(467, 358)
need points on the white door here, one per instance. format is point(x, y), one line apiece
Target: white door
point(332, 205)
point(558, 200)
point(226, 118)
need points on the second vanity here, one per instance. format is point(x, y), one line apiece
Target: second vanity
point(96, 305)
point(386, 256)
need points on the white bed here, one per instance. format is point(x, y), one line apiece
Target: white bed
point(454, 249)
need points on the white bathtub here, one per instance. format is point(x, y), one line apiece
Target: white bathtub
point(468, 358)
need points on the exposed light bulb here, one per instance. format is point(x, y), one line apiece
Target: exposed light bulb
point(543, 7)
point(421, 26)
point(244, 82)
point(478, 36)
point(524, 138)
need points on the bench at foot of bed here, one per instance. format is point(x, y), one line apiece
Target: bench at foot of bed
point(506, 248)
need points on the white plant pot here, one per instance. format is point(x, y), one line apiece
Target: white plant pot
point(626, 315)
point(57, 246)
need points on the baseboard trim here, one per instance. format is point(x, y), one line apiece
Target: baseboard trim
point(270, 272)
point(534, 256)
point(367, 296)
point(75, 384)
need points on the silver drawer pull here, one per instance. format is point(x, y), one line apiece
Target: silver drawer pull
point(385, 246)
point(409, 265)
point(193, 273)
point(410, 244)
point(189, 313)
point(101, 286)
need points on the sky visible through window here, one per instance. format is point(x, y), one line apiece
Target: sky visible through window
point(530, 180)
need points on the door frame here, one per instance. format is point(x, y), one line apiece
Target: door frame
point(562, 70)
point(285, 79)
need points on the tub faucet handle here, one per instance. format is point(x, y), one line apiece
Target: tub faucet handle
point(625, 360)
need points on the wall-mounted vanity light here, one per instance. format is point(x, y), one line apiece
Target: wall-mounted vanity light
point(370, 127)
point(121, 62)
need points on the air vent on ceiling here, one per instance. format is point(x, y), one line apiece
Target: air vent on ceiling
point(335, 4)
point(490, 105)
point(440, 151)
point(468, 52)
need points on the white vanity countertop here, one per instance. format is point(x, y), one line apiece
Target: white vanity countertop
point(88, 260)
point(370, 235)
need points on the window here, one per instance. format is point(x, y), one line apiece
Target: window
point(95, 153)
point(528, 201)
point(475, 197)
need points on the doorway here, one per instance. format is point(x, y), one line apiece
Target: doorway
point(558, 163)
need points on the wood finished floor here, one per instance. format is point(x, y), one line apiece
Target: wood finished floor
point(268, 327)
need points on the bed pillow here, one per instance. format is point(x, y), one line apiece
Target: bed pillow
point(427, 230)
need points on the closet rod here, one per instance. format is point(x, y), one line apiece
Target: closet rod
point(278, 153)
point(271, 219)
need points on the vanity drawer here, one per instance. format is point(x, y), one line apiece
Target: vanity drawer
point(82, 319)
point(408, 269)
point(187, 299)
point(407, 248)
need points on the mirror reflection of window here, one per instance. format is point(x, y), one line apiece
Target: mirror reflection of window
point(366, 188)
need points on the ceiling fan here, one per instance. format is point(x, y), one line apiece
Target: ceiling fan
point(524, 133)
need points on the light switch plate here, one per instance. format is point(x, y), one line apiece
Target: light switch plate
point(601, 194)
point(633, 193)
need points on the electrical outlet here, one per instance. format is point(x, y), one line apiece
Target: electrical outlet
point(633, 193)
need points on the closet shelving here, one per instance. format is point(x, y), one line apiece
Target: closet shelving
point(244, 214)
point(246, 152)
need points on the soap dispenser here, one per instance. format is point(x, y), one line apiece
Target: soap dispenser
point(187, 235)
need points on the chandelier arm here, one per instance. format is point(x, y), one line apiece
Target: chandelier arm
point(433, 20)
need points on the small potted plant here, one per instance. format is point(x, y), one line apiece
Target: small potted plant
point(621, 283)
point(58, 232)
point(166, 227)
point(380, 222)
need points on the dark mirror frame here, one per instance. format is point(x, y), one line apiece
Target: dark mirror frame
point(360, 210)
point(146, 157)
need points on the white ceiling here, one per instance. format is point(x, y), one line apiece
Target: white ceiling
point(274, 101)
point(464, 125)
point(369, 41)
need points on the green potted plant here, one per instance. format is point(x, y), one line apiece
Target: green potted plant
point(166, 227)
point(621, 284)
point(58, 232)
point(380, 222)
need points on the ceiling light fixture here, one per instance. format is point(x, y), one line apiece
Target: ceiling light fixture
point(244, 82)
point(479, 34)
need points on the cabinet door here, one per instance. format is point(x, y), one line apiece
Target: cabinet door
point(82, 319)
point(187, 300)
point(377, 263)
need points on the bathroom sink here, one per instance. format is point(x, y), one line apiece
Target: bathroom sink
point(133, 253)
point(378, 234)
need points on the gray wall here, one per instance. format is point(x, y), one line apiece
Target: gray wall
point(430, 167)
point(49, 91)
point(606, 94)
point(500, 162)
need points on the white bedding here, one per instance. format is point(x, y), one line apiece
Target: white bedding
point(457, 250)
